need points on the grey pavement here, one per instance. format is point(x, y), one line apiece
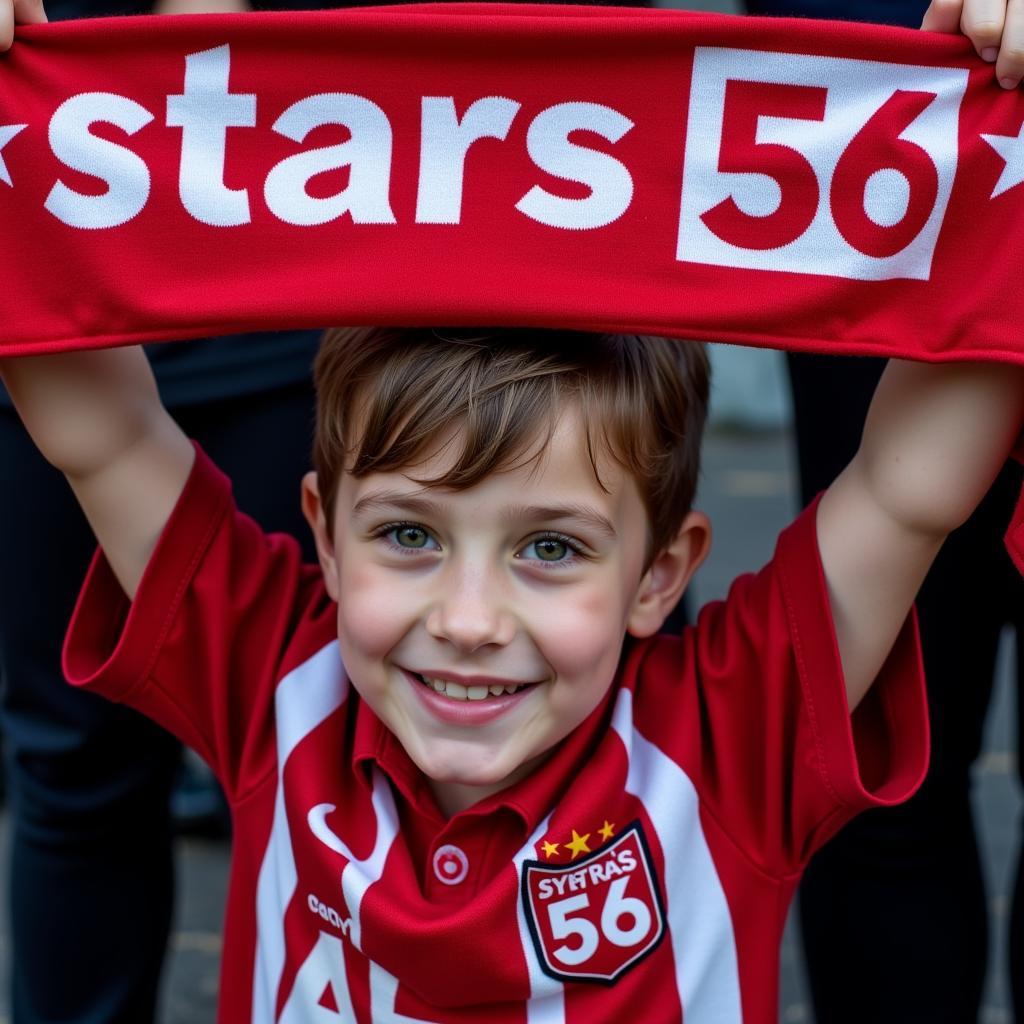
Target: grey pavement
point(747, 489)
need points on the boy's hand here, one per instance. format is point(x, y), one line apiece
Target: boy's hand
point(97, 417)
point(996, 27)
point(934, 440)
point(18, 12)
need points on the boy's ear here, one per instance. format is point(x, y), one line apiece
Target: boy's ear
point(313, 510)
point(670, 572)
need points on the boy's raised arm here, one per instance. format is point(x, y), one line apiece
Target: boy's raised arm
point(97, 417)
point(934, 440)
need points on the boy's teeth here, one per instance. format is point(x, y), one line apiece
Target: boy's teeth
point(456, 691)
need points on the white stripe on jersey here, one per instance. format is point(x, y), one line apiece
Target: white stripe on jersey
point(358, 875)
point(700, 926)
point(303, 699)
point(546, 1004)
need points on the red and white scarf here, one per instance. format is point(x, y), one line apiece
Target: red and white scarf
point(804, 185)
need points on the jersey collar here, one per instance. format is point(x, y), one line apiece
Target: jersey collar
point(530, 799)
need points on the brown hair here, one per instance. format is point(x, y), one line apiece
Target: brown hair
point(386, 396)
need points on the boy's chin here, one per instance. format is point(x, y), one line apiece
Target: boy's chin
point(478, 777)
point(459, 783)
point(491, 775)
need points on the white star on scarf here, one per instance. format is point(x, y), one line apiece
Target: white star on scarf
point(1011, 149)
point(7, 132)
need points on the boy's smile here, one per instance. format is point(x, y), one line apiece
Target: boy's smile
point(483, 625)
point(470, 702)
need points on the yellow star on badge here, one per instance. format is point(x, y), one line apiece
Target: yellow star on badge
point(606, 830)
point(578, 844)
point(550, 849)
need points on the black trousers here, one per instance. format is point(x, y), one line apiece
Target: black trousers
point(893, 909)
point(91, 873)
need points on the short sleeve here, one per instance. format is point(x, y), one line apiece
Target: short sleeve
point(762, 724)
point(222, 611)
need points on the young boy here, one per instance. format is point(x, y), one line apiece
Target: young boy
point(516, 801)
point(470, 781)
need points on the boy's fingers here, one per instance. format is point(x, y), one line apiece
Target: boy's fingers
point(1010, 65)
point(6, 24)
point(18, 12)
point(982, 22)
point(943, 16)
point(29, 12)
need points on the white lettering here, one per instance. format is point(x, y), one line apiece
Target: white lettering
point(325, 966)
point(204, 111)
point(367, 153)
point(610, 183)
point(444, 143)
point(124, 172)
point(329, 914)
point(618, 907)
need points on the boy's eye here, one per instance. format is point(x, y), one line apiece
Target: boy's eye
point(550, 549)
point(410, 536)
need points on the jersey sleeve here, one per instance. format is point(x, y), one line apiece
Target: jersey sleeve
point(220, 613)
point(763, 723)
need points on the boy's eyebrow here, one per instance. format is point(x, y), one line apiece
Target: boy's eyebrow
point(379, 501)
point(582, 513)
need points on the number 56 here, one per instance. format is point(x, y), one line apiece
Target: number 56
point(876, 147)
point(616, 907)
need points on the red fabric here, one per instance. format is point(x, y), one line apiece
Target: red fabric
point(730, 750)
point(818, 107)
point(802, 185)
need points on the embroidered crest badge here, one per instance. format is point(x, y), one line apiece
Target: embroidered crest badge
point(597, 917)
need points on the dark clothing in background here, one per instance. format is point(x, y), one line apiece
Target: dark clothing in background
point(897, 899)
point(883, 12)
point(90, 781)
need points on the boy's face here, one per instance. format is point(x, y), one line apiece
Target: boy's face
point(526, 582)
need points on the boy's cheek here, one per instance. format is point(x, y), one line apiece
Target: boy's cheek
point(581, 636)
point(578, 630)
point(372, 613)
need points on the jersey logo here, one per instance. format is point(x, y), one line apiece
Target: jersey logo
point(595, 918)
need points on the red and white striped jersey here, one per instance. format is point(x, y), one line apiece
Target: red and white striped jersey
point(641, 873)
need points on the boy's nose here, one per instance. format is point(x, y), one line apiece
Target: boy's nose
point(469, 612)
